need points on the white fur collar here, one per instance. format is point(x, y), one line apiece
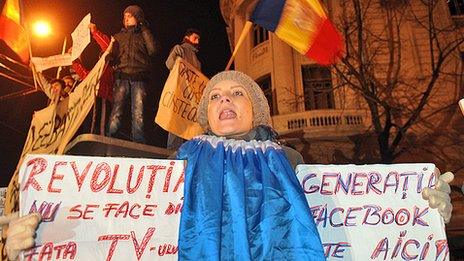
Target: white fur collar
point(232, 144)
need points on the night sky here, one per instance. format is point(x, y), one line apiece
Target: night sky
point(168, 22)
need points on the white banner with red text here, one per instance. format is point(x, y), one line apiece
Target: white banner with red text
point(102, 208)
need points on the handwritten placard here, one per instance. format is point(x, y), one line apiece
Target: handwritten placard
point(178, 106)
point(374, 212)
point(97, 208)
point(80, 37)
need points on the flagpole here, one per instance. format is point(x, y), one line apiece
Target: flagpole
point(62, 52)
point(243, 35)
point(26, 27)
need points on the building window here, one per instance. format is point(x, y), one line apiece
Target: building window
point(266, 85)
point(456, 7)
point(259, 35)
point(317, 84)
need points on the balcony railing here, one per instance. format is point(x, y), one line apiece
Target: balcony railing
point(322, 122)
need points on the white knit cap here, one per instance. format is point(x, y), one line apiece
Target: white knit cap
point(261, 115)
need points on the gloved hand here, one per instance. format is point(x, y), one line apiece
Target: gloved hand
point(21, 231)
point(92, 27)
point(439, 197)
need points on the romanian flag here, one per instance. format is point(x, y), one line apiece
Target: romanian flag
point(11, 30)
point(304, 25)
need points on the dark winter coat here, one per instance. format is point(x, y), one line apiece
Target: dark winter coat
point(133, 52)
point(186, 51)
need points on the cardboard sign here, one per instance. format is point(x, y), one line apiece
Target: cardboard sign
point(374, 212)
point(103, 208)
point(178, 106)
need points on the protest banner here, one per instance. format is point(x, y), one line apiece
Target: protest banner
point(374, 212)
point(80, 37)
point(178, 105)
point(128, 209)
point(102, 208)
point(43, 63)
point(53, 127)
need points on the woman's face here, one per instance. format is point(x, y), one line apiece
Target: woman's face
point(230, 112)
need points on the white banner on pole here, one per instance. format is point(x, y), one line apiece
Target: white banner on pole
point(43, 63)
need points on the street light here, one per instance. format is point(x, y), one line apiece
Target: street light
point(41, 28)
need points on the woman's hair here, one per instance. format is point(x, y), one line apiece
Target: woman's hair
point(261, 115)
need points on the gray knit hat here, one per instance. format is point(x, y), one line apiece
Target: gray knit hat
point(136, 12)
point(261, 115)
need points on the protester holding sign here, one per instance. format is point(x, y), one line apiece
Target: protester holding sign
point(21, 234)
point(70, 83)
point(52, 128)
point(242, 200)
point(106, 82)
point(240, 176)
point(439, 197)
point(243, 179)
point(178, 105)
point(56, 89)
point(135, 46)
point(187, 51)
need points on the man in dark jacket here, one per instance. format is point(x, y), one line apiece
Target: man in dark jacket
point(131, 57)
point(188, 51)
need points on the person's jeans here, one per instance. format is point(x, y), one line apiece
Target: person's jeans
point(122, 89)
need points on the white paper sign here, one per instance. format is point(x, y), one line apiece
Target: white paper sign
point(80, 37)
point(103, 208)
point(43, 63)
point(374, 212)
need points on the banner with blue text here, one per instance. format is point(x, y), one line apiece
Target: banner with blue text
point(374, 212)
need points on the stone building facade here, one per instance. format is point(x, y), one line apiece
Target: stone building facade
point(315, 112)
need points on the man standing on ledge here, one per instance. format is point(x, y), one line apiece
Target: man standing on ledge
point(187, 50)
point(131, 57)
